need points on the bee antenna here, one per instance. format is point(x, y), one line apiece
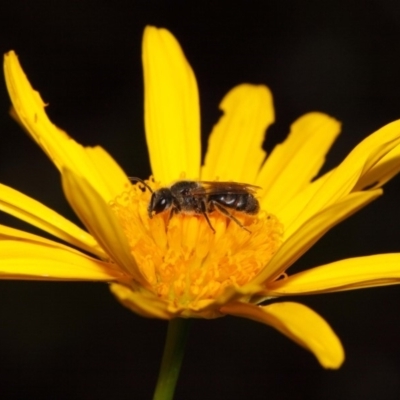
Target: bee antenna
point(134, 179)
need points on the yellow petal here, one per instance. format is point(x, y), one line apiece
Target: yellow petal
point(172, 115)
point(7, 233)
point(311, 231)
point(289, 213)
point(100, 221)
point(345, 177)
point(21, 259)
point(383, 171)
point(235, 146)
point(299, 323)
point(31, 211)
point(353, 273)
point(109, 180)
point(292, 164)
point(92, 163)
point(143, 303)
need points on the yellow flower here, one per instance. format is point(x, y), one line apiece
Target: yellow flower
point(178, 267)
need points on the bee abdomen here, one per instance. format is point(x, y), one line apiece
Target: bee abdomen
point(245, 203)
point(248, 204)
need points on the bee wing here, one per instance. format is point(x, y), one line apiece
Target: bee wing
point(210, 188)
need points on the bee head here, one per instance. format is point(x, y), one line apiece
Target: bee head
point(161, 200)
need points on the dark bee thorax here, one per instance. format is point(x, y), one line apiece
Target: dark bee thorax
point(184, 199)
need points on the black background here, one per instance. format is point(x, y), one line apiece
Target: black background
point(73, 340)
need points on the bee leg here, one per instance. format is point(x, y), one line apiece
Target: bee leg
point(204, 212)
point(171, 214)
point(225, 212)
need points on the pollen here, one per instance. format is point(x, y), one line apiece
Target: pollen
point(183, 260)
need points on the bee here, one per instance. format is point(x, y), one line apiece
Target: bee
point(203, 198)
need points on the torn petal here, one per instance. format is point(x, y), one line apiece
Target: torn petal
point(235, 150)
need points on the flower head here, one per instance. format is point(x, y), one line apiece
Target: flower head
point(212, 263)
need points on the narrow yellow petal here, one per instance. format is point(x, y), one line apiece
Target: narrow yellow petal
point(143, 303)
point(172, 110)
point(39, 261)
point(291, 165)
point(343, 179)
point(92, 163)
point(299, 323)
point(7, 233)
point(288, 214)
point(109, 180)
point(100, 221)
point(31, 211)
point(298, 242)
point(353, 273)
point(235, 145)
point(383, 171)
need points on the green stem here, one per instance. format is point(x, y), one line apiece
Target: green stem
point(172, 359)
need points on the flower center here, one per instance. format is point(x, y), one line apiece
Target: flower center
point(184, 261)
